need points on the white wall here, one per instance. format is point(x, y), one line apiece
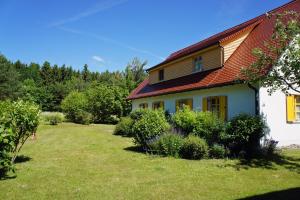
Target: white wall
point(274, 109)
point(240, 99)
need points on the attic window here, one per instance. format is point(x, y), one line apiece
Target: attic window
point(198, 64)
point(161, 75)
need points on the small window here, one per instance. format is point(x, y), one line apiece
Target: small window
point(158, 105)
point(161, 75)
point(184, 102)
point(297, 108)
point(216, 105)
point(198, 64)
point(143, 105)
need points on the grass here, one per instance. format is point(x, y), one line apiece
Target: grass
point(71, 161)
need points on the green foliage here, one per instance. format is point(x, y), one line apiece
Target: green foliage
point(105, 102)
point(185, 120)
point(75, 106)
point(124, 127)
point(83, 117)
point(209, 127)
point(137, 114)
point(149, 127)
point(218, 151)
point(52, 118)
point(9, 80)
point(244, 133)
point(168, 145)
point(6, 147)
point(22, 118)
point(194, 148)
point(282, 53)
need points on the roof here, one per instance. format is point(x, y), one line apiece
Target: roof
point(262, 28)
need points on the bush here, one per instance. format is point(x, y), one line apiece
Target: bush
point(244, 133)
point(137, 114)
point(209, 127)
point(124, 127)
point(18, 120)
point(75, 106)
point(83, 117)
point(218, 151)
point(52, 118)
point(194, 148)
point(184, 120)
point(168, 145)
point(149, 127)
point(6, 148)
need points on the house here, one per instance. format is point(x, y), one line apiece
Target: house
point(204, 77)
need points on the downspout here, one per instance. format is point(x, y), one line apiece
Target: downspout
point(256, 94)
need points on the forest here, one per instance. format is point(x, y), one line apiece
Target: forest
point(47, 85)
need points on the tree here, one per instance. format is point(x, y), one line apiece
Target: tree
point(278, 65)
point(9, 80)
point(135, 73)
point(86, 73)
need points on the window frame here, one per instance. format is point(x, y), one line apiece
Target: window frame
point(197, 60)
point(160, 104)
point(297, 104)
point(179, 104)
point(161, 75)
point(143, 105)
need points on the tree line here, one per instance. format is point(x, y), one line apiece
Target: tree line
point(47, 85)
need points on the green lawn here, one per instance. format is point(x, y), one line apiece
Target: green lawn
point(87, 162)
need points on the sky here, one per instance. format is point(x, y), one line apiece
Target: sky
point(107, 34)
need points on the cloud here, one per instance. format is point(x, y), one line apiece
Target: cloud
point(98, 59)
point(105, 5)
point(111, 41)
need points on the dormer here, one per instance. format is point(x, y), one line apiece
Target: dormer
point(192, 60)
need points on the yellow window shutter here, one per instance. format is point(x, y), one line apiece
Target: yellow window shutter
point(177, 105)
point(223, 107)
point(204, 104)
point(190, 103)
point(162, 105)
point(290, 108)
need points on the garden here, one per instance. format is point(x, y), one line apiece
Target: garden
point(196, 135)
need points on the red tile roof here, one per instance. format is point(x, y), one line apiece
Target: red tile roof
point(261, 32)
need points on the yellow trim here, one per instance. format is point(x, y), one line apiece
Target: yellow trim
point(204, 104)
point(187, 102)
point(223, 108)
point(290, 108)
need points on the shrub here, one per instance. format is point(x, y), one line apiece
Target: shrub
point(209, 127)
point(244, 133)
point(184, 120)
point(52, 118)
point(218, 151)
point(83, 117)
point(106, 102)
point(75, 106)
point(149, 127)
point(124, 127)
point(137, 114)
point(6, 148)
point(168, 145)
point(22, 118)
point(194, 147)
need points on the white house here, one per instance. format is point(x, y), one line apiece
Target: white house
point(204, 77)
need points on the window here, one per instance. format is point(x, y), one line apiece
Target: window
point(216, 105)
point(293, 108)
point(184, 102)
point(198, 64)
point(158, 105)
point(161, 75)
point(143, 105)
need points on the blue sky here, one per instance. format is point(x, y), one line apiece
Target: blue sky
point(107, 34)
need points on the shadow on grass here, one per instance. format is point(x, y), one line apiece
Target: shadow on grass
point(272, 163)
point(135, 149)
point(22, 158)
point(291, 194)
